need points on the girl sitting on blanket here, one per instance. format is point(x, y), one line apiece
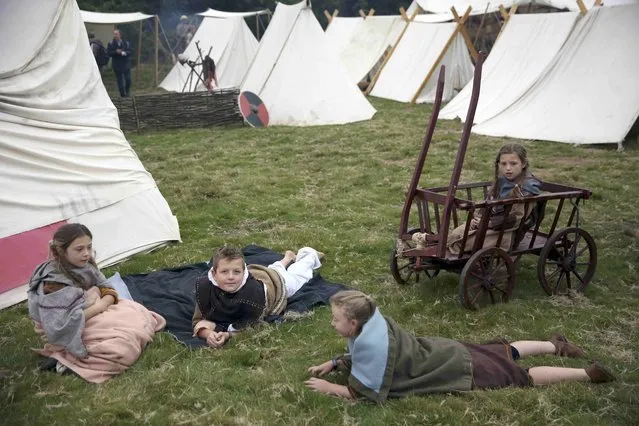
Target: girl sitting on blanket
point(234, 295)
point(66, 294)
point(512, 180)
point(386, 361)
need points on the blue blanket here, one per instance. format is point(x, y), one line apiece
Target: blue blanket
point(171, 293)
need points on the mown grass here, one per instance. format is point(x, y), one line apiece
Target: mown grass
point(341, 189)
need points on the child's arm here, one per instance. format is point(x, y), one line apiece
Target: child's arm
point(322, 386)
point(100, 305)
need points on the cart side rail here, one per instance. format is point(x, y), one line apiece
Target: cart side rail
point(430, 203)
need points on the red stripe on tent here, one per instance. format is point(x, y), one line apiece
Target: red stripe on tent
point(21, 253)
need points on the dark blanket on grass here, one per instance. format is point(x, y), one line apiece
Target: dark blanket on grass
point(171, 292)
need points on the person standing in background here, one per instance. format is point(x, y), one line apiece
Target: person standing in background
point(120, 51)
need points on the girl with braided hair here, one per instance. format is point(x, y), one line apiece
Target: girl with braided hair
point(512, 179)
point(385, 361)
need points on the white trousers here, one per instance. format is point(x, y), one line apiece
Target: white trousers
point(299, 272)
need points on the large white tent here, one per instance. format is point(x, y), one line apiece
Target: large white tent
point(341, 30)
point(64, 157)
point(297, 75)
point(404, 77)
point(589, 93)
point(374, 36)
point(232, 46)
point(101, 24)
point(525, 47)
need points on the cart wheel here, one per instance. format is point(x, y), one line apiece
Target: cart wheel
point(487, 278)
point(403, 268)
point(567, 261)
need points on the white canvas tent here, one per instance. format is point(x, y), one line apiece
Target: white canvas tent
point(374, 36)
point(589, 93)
point(101, 24)
point(232, 47)
point(340, 31)
point(297, 75)
point(64, 158)
point(405, 77)
point(525, 47)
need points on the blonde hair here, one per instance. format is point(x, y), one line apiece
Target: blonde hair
point(355, 305)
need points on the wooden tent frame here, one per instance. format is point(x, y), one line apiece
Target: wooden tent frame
point(460, 25)
point(402, 11)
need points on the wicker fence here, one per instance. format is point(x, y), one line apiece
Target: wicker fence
point(178, 110)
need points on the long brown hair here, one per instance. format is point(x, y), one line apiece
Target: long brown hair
point(62, 239)
point(355, 305)
point(511, 148)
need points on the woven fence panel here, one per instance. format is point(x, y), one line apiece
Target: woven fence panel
point(178, 110)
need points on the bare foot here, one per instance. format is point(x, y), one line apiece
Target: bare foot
point(289, 257)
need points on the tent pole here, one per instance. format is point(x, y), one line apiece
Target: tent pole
point(441, 55)
point(387, 58)
point(137, 71)
point(582, 7)
point(506, 16)
point(328, 16)
point(464, 33)
point(481, 26)
point(155, 70)
point(257, 26)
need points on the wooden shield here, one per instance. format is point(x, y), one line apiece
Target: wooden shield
point(253, 109)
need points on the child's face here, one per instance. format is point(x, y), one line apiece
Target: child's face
point(229, 274)
point(80, 251)
point(510, 166)
point(345, 327)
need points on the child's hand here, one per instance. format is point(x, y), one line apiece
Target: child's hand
point(319, 385)
point(322, 369)
point(217, 338)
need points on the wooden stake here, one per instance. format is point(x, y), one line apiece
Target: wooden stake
point(503, 12)
point(582, 7)
point(362, 14)
point(328, 16)
point(371, 12)
point(402, 12)
point(381, 67)
point(137, 70)
point(464, 32)
point(441, 54)
point(597, 2)
point(513, 10)
point(157, 45)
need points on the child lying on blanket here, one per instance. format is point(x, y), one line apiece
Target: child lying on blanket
point(77, 313)
point(234, 295)
point(385, 361)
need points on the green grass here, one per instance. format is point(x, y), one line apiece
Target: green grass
point(341, 189)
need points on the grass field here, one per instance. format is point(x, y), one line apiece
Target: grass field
point(341, 189)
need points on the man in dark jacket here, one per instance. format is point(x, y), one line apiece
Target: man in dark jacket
point(120, 51)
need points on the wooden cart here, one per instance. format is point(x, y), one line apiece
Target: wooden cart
point(567, 254)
